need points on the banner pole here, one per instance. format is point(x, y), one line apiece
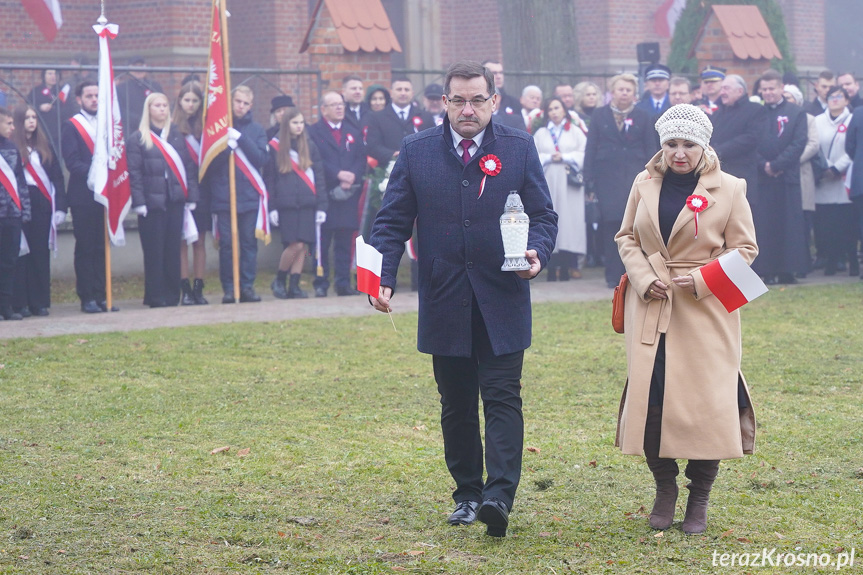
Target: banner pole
point(108, 284)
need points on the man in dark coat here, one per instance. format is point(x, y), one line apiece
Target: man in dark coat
point(711, 84)
point(655, 99)
point(818, 104)
point(132, 93)
point(854, 149)
point(852, 86)
point(14, 211)
point(507, 103)
point(356, 107)
point(248, 136)
point(388, 127)
point(78, 136)
point(344, 158)
point(620, 142)
point(777, 208)
point(737, 127)
point(474, 319)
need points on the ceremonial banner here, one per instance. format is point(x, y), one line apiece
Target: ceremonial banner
point(217, 103)
point(46, 14)
point(109, 175)
point(369, 263)
point(732, 281)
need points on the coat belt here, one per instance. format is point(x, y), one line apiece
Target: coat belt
point(658, 314)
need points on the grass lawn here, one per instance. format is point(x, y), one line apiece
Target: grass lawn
point(335, 459)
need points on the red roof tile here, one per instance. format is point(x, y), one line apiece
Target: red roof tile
point(362, 25)
point(747, 32)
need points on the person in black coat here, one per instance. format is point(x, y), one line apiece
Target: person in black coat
point(388, 127)
point(506, 103)
point(77, 136)
point(249, 137)
point(777, 207)
point(818, 105)
point(133, 91)
point(163, 177)
point(737, 125)
point(46, 187)
point(356, 108)
point(344, 159)
point(298, 201)
point(14, 211)
point(45, 99)
point(655, 99)
point(620, 142)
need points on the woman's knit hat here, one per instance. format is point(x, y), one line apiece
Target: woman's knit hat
point(686, 122)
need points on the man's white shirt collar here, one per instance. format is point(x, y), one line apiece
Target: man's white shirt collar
point(457, 138)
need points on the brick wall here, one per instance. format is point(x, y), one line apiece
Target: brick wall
point(713, 48)
point(805, 20)
point(469, 30)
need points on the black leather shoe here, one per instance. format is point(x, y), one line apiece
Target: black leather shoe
point(495, 515)
point(9, 314)
point(103, 305)
point(228, 298)
point(320, 292)
point(248, 295)
point(346, 291)
point(464, 514)
point(90, 307)
point(24, 312)
point(39, 311)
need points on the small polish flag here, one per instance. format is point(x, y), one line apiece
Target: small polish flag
point(732, 281)
point(369, 262)
point(64, 93)
point(46, 14)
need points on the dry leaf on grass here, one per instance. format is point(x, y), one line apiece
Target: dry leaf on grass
point(220, 450)
point(534, 449)
point(244, 452)
point(416, 552)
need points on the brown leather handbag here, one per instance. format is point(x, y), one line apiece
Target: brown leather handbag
point(617, 304)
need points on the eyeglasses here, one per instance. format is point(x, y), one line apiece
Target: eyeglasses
point(475, 103)
point(335, 105)
point(836, 97)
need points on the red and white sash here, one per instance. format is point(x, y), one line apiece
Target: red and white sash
point(175, 164)
point(37, 177)
point(262, 227)
point(194, 148)
point(307, 176)
point(274, 143)
point(9, 182)
point(85, 129)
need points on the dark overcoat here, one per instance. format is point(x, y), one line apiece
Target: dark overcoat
point(614, 157)
point(854, 149)
point(349, 156)
point(386, 131)
point(736, 129)
point(460, 245)
point(253, 142)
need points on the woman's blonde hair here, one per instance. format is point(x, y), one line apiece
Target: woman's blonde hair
point(705, 164)
point(144, 126)
point(623, 78)
point(287, 141)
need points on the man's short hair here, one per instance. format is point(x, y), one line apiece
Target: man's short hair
point(772, 75)
point(846, 73)
point(738, 79)
point(491, 61)
point(351, 78)
point(327, 93)
point(5, 112)
point(530, 88)
point(243, 89)
point(825, 75)
point(79, 89)
point(469, 69)
point(400, 79)
point(680, 81)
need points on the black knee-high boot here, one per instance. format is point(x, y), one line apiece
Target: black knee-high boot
point(664, 472)
point(701, 474)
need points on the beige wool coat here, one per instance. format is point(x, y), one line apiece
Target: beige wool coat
point(701, 418)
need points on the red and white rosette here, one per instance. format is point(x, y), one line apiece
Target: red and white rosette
point(697, 204)
point(490, 166)
point(349, 139)
point(418, 122)
point(842, 128)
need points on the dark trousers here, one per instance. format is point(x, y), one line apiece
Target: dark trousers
point(343, 242)
point(613, 265)
point(497, 379)
point(161, 234)
point(248, 250)
point(836, 230)
point(33, 271)
point(89, 228)
point(858, 206)
point(10, 245)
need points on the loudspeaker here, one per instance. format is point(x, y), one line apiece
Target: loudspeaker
point(648, 52)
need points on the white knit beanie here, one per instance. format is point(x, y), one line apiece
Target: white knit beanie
point(686, 122)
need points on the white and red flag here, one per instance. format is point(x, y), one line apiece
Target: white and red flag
point(732, 281)
point(369, 263)
point(217, 100)
point(666, 17)
point(46, 14)
point(109, 175)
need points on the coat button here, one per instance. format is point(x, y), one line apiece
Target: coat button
point(464, 303)
point(470, 265)
point(467, 223)
point(465, 183)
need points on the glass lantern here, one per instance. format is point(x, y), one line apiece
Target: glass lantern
point(514, 225)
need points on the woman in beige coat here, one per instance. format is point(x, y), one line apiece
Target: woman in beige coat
point(685, 395)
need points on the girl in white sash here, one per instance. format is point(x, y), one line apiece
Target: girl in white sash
point(188, 118)
point(292, 175)
point(164, 181)
point(31, 294)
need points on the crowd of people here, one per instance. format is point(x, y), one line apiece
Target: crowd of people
point(795, 156)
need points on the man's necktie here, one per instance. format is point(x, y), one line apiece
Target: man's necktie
point(465, 155)
point(404, 115)
point(658, 106)
point(337, 135)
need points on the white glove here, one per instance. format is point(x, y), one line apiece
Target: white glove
point(320, 217)
point(141, 211)
point(191, 206)
point(233, 136)
point(274, 218)
point(59, 217)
